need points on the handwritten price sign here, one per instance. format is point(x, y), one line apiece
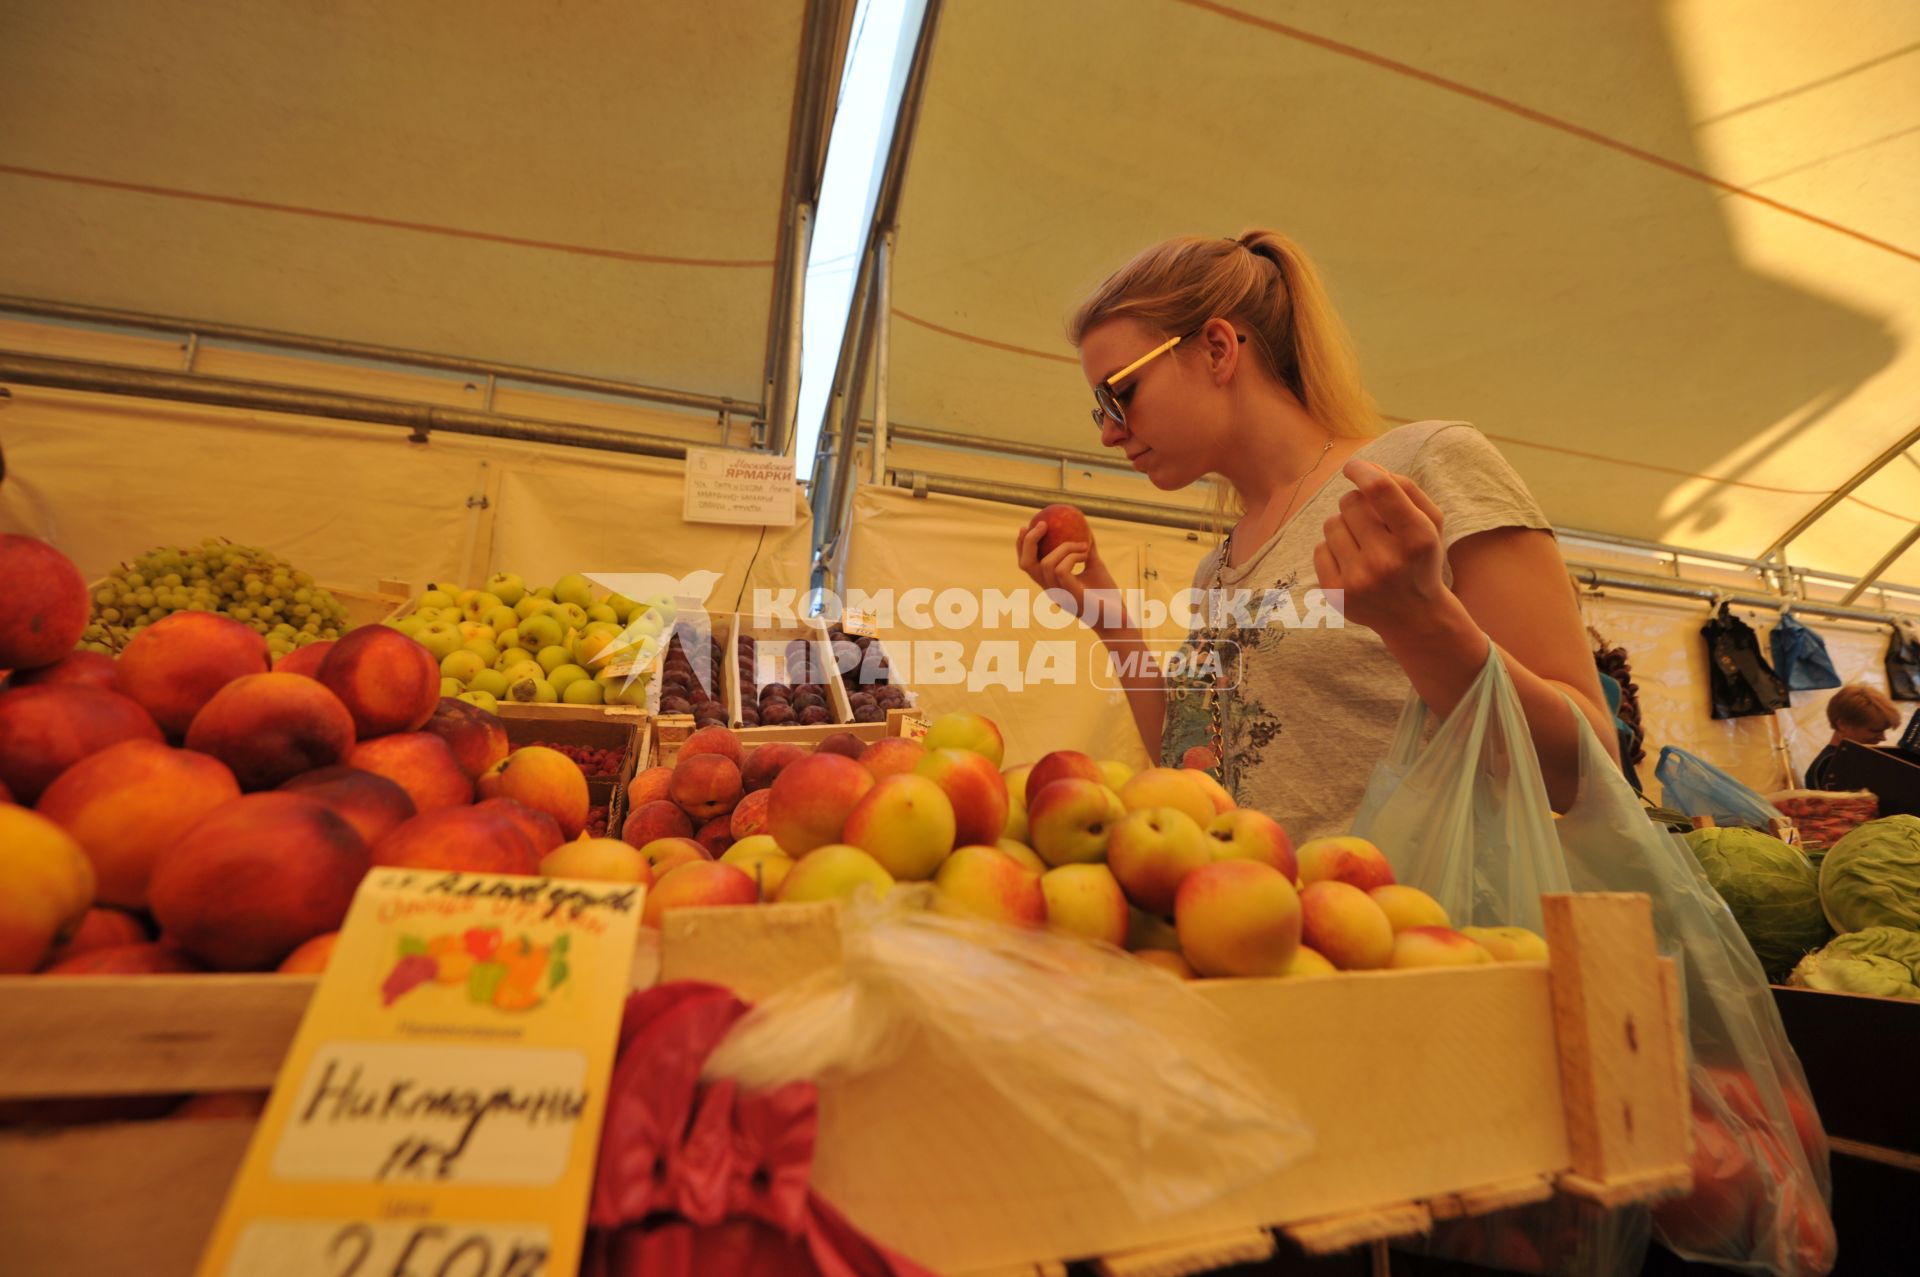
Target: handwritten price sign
point(439, 1111)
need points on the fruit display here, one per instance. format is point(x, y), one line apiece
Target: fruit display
point(687, 687)
point(245, 583)
point(199, 810)
point(787, 689)
point(563, 644)
point(863, 666)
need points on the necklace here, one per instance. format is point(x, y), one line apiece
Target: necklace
point(1204, 649)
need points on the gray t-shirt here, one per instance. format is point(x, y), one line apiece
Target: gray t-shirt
point(1314, 707)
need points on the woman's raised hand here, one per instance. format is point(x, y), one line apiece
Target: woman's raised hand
point(1382, 550)
point(1072, 567)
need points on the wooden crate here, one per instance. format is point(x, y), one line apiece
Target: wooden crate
point(1432, 1093)
point(620, 727)
point(670, 730)
point(815, 635)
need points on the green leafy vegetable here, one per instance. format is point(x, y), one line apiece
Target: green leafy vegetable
point(1871, 877)
point(1770, 887)
point(1883, 961)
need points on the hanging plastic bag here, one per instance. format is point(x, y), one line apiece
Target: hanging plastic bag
point(1050, 1024)
point(1742, 683)
point(1903, 665)
point(1800, 656)
point(1467, 820)
point(1695, 786)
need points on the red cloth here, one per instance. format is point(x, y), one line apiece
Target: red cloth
point(696, 1178)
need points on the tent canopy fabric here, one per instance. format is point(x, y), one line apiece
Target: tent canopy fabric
point(1667, 257)
point(586, 188)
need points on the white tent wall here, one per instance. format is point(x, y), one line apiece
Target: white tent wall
point(106, 477)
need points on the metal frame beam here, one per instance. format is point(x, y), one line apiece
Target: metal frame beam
point(1841, 493)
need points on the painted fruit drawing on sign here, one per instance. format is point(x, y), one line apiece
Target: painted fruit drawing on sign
point(508, 973)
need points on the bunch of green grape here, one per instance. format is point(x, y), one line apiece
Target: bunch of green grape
point(249, 584)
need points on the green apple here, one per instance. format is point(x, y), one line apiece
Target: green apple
point(507, 638)
point(573, 588)
point(581, 691)
point(489, 651)
point(439, 638)
point(620, 605)
point(436, 597)
point(462, 665)
point(515, 656)
point(451, 687)
point(537, 632)
point(531, 605)
point(593, 649)
point(492, 682)
point(506, 587)
point(562, 676)
point(481, 604)
point(618, 691)
point(529, 689)
point(471, 630)
point(546, 592)
point(462, 597)
point(601, 612)
point(485, 700)
point(552, 658)
point(410, 624)
point(570, 615)
point(663, 604)
point(502, 618)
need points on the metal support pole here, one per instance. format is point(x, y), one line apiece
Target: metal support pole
point(784, 402)
point(420, 420)
point(1842, 492)
point(844, 473)
point(1034, 498)
point(1874, 573)
point(882, 352)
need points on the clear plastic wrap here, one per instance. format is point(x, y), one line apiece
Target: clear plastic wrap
point(1466, 819)
point(1158, 1106)
point(1698, 788)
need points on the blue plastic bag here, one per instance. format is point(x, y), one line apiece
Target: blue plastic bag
point(1695, 786)
point(1800, 656)
point(1466, 819)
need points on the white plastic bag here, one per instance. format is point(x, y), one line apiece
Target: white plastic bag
point(1161, 1109)
point(1466, 819)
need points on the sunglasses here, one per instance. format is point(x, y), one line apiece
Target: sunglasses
point(1109, 405)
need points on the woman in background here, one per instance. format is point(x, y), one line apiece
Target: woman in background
point(1856, 713)
point(1224, 357)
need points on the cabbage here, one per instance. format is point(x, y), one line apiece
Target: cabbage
point(1883, 961)
point(1871, 877)
point(1770, 887)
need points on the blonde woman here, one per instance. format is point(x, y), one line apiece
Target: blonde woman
point(1224, 357)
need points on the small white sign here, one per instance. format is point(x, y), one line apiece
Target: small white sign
point(725, 486)
point(859, 622)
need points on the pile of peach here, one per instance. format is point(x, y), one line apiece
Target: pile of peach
point(191, 790)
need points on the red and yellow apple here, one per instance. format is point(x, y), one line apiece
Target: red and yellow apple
point(1436, 947)
point(986, 882)
point(1152, 851)
point(1169, 961)
point(46, 607)
point(1354, 861)
point(1508, 944)
point(759, 857)
point(1022, 853)
point(1061, 764)
point(835, 871)
point(1238, 918)
point(892, 756)
point(663, 855)
point(1072, 820)
point(976, 789)
point(596, 860)
point(1241, 833)
point(1085, 900)
point(1169, 787)
point(1309, 962)
point(749, 816)
point(970, 732)
point(906, 823)
point(1344, 925)
point(1061, 524)
point(1409, 907)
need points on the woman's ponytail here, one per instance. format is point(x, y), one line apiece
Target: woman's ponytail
point(1325, 373)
